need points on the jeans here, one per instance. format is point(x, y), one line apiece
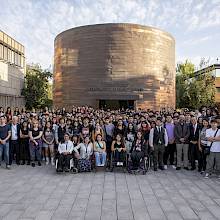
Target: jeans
point(100, 158)
point(213, 162)
point(35, 150)
point(5, 148)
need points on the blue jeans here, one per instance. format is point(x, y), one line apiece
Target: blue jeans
point(5, 148)
point(100, 158)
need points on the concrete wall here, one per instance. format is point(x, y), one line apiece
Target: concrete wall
point(11, 86)
point(114, 61)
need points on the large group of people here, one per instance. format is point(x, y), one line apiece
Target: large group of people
point(174, 139)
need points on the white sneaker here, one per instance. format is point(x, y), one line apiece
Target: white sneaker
point(118, 163)
point(173, 166)
point(207, 175)
point(8, 167)
point(52, 161)
point(165, 167)
point(47, 161)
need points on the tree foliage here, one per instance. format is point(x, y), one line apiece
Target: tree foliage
point(194, 91)
point(36, 88)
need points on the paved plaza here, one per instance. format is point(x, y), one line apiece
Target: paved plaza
point(40, 193)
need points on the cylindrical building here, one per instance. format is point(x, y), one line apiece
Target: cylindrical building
point(114, 65)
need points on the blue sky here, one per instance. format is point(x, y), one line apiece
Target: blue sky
point(195, 24)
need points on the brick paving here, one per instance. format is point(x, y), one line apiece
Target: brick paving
point(39, 193)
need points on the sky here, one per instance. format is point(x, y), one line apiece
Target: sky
point(195, 24)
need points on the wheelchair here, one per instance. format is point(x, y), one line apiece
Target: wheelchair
point(113, 163)
point(143, 167)
point(72, 167)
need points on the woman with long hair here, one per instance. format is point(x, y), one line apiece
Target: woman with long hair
point(83, 153)
point(100, 151)
point(138, 150)
point(35, 144)
point(48, 142)
point(24, 143)
point(119, 150)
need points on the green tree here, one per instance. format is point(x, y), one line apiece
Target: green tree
point(36, 88)
point(194, 91)
point(184, 71)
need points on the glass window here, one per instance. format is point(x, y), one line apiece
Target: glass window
point(218, 89)
point(19, 60)
point(5, 53)
point(1, 51)
point(12, 56)
point(1, 35)
point(217, 72)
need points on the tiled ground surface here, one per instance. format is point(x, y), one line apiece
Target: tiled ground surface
point(39, 193)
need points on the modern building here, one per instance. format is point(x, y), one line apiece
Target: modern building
point(114, 66)
point(12, 69)
point(214, 69)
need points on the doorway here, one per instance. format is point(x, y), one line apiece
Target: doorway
point(116, 104)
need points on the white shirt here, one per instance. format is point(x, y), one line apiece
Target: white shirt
point(215, 145)
point(14, 132)
point(151, 137)
point(85, 150)
point(65, 147)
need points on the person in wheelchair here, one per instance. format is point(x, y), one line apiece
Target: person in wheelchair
point(138, 151)
point(100, 151)
point(84, 152)
point(119, 150)
point(65, 150)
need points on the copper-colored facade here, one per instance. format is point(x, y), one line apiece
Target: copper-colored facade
point(114, 62)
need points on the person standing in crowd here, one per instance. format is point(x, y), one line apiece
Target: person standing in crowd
point(61, 131)
point(109, 131)
point(35, 144)
point(129, 136)
point(193, 144)
point(119, 129)
point(16, 111)
point(5, 134)
point(24, 143)
point(181, 134)
point(171, 147)
point(48, 138)
point(76, 128)
point(69, 127)
point(97, 130)
point(145, 129)
point(203, 144)
point(65, 149)
point(100, 151)
point(85, 129)
point(14, 143)
point(158, 140)
point(213, 141)
point(8, 114)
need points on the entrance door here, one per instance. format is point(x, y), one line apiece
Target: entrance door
point(116, 104)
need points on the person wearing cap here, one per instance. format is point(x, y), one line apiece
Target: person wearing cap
point(65, 149)
point(213, 141)
point(158, 140)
